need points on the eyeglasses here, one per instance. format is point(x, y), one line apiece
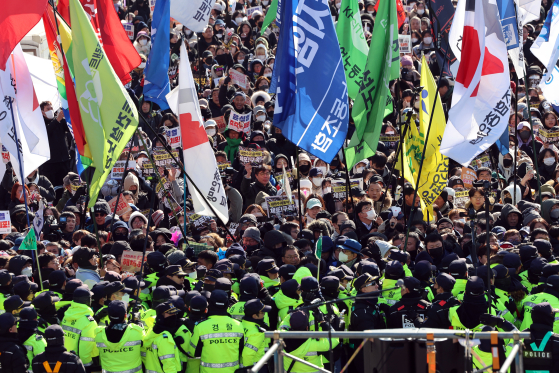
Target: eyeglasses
point(99, 214)
point(292, 257)
point(267, 173)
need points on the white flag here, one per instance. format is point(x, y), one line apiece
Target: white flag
point(199, 158)
point(545, 47)
point(194, 15)
point(38, 220)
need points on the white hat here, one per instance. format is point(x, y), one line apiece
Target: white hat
point(210, 123)
point(305, 183)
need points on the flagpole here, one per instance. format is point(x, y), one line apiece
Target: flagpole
point(348, 194)
point(121, 189)
point(299, 189)
point(533, 145)
point(515, 138)
point(184, 202)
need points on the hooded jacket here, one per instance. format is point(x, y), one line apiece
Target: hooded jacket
point(546, 209)
point(286, 303)
point(505, 212)
point(80, 329)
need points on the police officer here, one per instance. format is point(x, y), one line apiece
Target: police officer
point(403, 313)
point(437, 314)
point(6, 288)
point(423, 271)
point(268, 272)
point(67, 298)
point(459, 270)
point(219, 340)
point(197, 309)
point(119, 343)
point(173, 276)
point(45, 304)
point(28, 333)
point(249, 288)
point(225, 284)
point(393, 272)
point(330, 289)
point(254, 327)
point(99, 297)
point(467, 315)
point(14, 305)
point(549, 295)
point(13, 357)
point(310, 293)
point(541, 351)
point(156, 264)
point(160, 350)
point(114, 291)
point(55, 356)
point(57, 282)
point(79, 327)
point(288, 298)
point(160, 295)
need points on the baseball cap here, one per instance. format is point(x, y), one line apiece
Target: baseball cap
point(175, 270)
point(254, 306)
point(412, 284)
point(309, 284)
point(44, 300)
point(14, 303)
point(116, 310)
point(313, 202)
point(445, 281)
point(164, 292)
point(351, 245)
point(57, 279)
point(268, 265)
point(198, 303)
point(112, 276)
point(168, 307)
point(28, 314)
point(219, 299)
point(213, 274)
point(287, 271)
point(113, 287)
point(299, 321)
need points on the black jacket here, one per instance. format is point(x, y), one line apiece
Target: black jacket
point(250, 190)
point(71, 363)
point(366, 315)
point(538, 332)
point(437, 313)
point(56, 132)
point(13, 356)
point(403, 313)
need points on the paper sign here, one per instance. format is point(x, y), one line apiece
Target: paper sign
point(198, 220)
point(5, 155)
point(239, 122)
point(233, 228)
point(132, 261)
point(404, 41)
point(118, 169)
point(198, 247)
point(461, 198)
point(129, 28)
point(279, 175)
point(339, 190)
point(468, 177)
point(151, 6)
point(174, 137)
point(548, 136)
point(250, 11)
point(5, 222)
point(123, 206)
point(220, 122)
point(485, 161)
point(280, 206)
point(162, 158)
point(238, 78)
point(249, 155)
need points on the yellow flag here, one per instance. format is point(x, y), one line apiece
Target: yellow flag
point(435, 165)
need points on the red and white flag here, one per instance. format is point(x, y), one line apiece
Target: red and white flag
point(199, 158)
point(481, 97)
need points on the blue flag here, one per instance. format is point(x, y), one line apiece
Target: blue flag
point(507, 13)
point(309, 80)
point(156, 84)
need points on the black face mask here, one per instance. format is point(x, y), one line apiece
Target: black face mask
point(305, 168)
point(436, 252)
point(335, 163)
point(252, 248)
point(524, 135)
point(507, 163)
point(120, 237)
point(399, 227)
point(508, 200)
point(209, 287)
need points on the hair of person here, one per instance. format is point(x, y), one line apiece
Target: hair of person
point(379, 159)
point(255, 206)
point(89, 240)
point(46, 258)
point(336, 215)
point(362, 204)
point(208, 256)
point(433, 237)
point(44, 103)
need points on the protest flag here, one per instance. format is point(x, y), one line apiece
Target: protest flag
point(156, 82)
point(318, 254)
point(204, 180)
point(194, 15)
point(286, 185)
point(29, 242)
point(481, 97)
point(399, 8)
point(353, 45)
point(108, 124)
point(374, 101)
point(311, 92)
point(16, 20)
point(441, 14)
point(270, 16)
point(545, 48)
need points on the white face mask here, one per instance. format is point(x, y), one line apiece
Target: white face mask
point(271, 65)
point(371, 215)
point(317, 181)
point(211, 132)
point(142, 65)
point(261, 57)
point(338, 5)
point(241, 61)
point(359, 169)
point(343, 257)
point(239, 20)
point(427, 40)
point(370, 11)
point(27, 272)
point(268, 75)
point(416, 104)
point(414, 40)
point(126, 299)
point(323, 169)
point(261, 118)
point(49, 114)
point(327, 190)
point(257, 214)
point(549, 161)
point(143, 41)
point(420, 11)
point(193, 274)
point(265, 2)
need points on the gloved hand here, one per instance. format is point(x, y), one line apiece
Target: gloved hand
point(491, 320)
point(79, 192)
point(318, 317)
point(511, 306)
point(264, 296)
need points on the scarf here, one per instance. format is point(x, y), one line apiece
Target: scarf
point(231, 148)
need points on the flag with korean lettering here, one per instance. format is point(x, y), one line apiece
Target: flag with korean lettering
point(374, 100)
point(353, 45)
point(108, 113)
point(481, 98)
point(195, 14)
point(309, 80)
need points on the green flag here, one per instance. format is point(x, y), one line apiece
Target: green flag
point(108, 114)
point(318, 251)
point(374, 101)
point(353, 45)
point(270, 16)
point(30, 241)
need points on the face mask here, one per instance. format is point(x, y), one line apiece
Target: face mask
point(436, 252)
point(49, 114)
point(338, 5)
point(343, 257)
point(549, 161)
point(265, 2)
point(28, 271)
point(371, 215)
point(507, 163)
point(414, 40)
point(427, 40)
point(420, 11)
point(261, 118)
point(241, 61)
point(126, 299)
point(327, 190)
point(358, 170)
point(416, 104)
point(192, 275)
point(239, 20)
point(521, 94)
point(211, 132)
point(305, 168)
point(142, 65)
point(317, 181)
point(525, 135)
point(143, 41)
point(323, 169)
point(508, 200)
point(268, 75)
point(209, 287)
point(370, 11)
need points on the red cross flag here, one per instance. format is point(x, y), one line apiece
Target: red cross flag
point(199, 159)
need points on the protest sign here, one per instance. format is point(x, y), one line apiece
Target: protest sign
point(198, 220)
point(485, 161)
point(404, 41)
point(174, 137)
point(129, 28)
point(151, 6)
point(132, 261)
point(123, 206)
point(461, 198)
point(280, 206)
point(220, 122)
point(233, 228)
point(549, 136)
point(5, 155)
point(279, 175)
point(238, 78)
point(162, 158)
point(5, 222)
point(198, 247)
point(389, 138)
point(118, 169)
point(468, 177)
point(339, 190)
point(239, 122)
point(250, 11)
point(249, 155)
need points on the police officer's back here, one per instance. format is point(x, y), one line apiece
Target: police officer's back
point(437, 314)
point(13, 357)
point(28, 333)
point(44, 303)
point(197, 312)
point(403, 313)
point(254, 329)
point(56, 357)
point(6, 287)
point(541, 351)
